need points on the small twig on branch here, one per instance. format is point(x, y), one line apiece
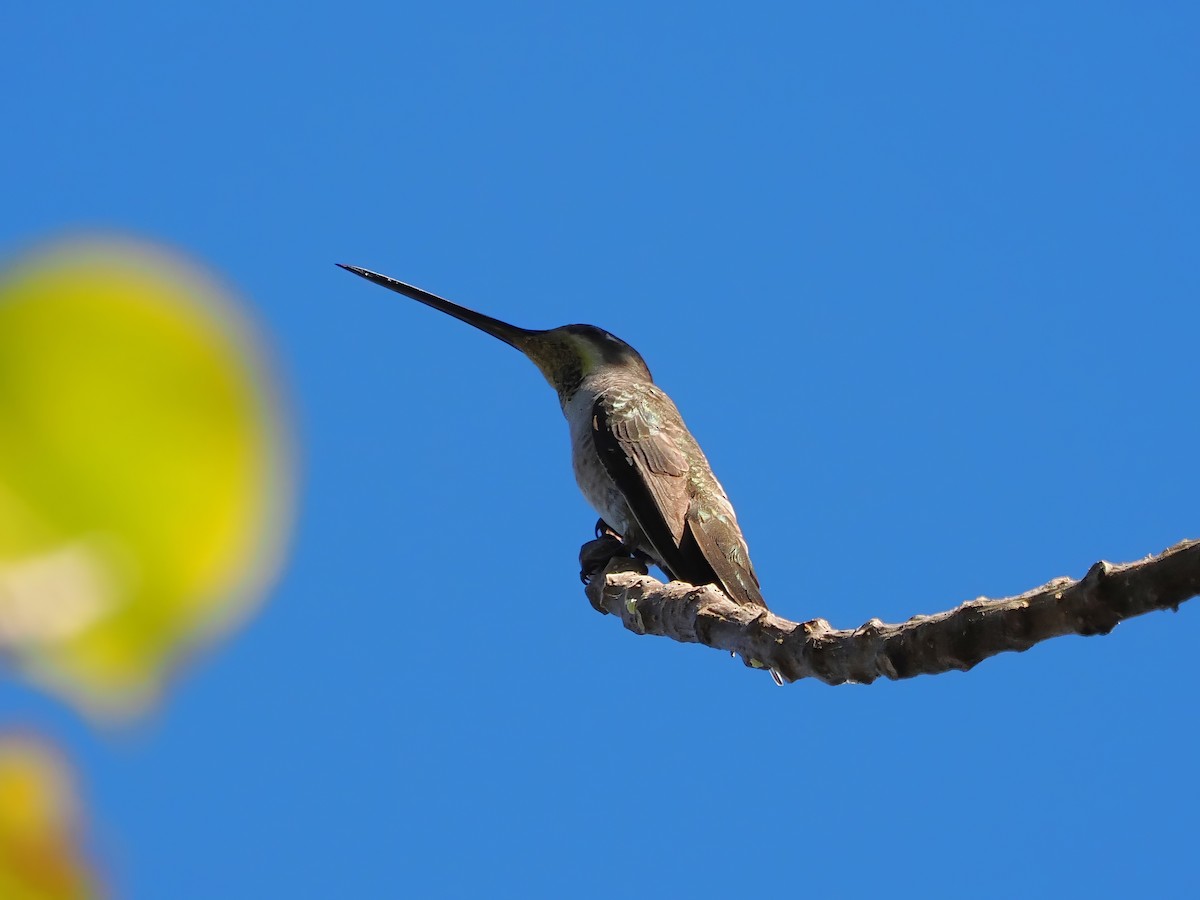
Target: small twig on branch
point(924, 645)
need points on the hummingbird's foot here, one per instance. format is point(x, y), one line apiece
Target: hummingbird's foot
point(595, 555)
point(603, 529)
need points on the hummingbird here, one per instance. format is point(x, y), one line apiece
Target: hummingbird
point(634, 459)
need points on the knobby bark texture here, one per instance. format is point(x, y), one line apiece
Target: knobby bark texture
point(924, 645)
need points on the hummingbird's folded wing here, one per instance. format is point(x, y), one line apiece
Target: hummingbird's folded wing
point(650, 471)
point(723, 547)
point(696, 542)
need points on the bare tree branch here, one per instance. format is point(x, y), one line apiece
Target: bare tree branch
point(924, 645)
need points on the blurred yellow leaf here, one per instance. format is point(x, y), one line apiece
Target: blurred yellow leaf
point(40, 857)
point(144, 474)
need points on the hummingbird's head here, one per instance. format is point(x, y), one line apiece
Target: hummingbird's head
point(565, 355)
point(570, 353)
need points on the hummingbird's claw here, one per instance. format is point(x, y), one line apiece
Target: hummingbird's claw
point(603, 529)
point(595, 555)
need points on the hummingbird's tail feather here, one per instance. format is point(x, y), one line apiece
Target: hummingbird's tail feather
point(723, 550)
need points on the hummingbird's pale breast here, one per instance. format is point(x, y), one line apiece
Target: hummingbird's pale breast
point(598, 487)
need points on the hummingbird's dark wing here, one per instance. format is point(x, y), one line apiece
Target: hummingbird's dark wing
point(649, 471)
point(696, 542)
point(723, 547)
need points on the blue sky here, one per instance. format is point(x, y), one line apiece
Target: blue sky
point(922, 279)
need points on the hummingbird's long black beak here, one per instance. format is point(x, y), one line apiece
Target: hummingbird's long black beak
point(510, 334)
